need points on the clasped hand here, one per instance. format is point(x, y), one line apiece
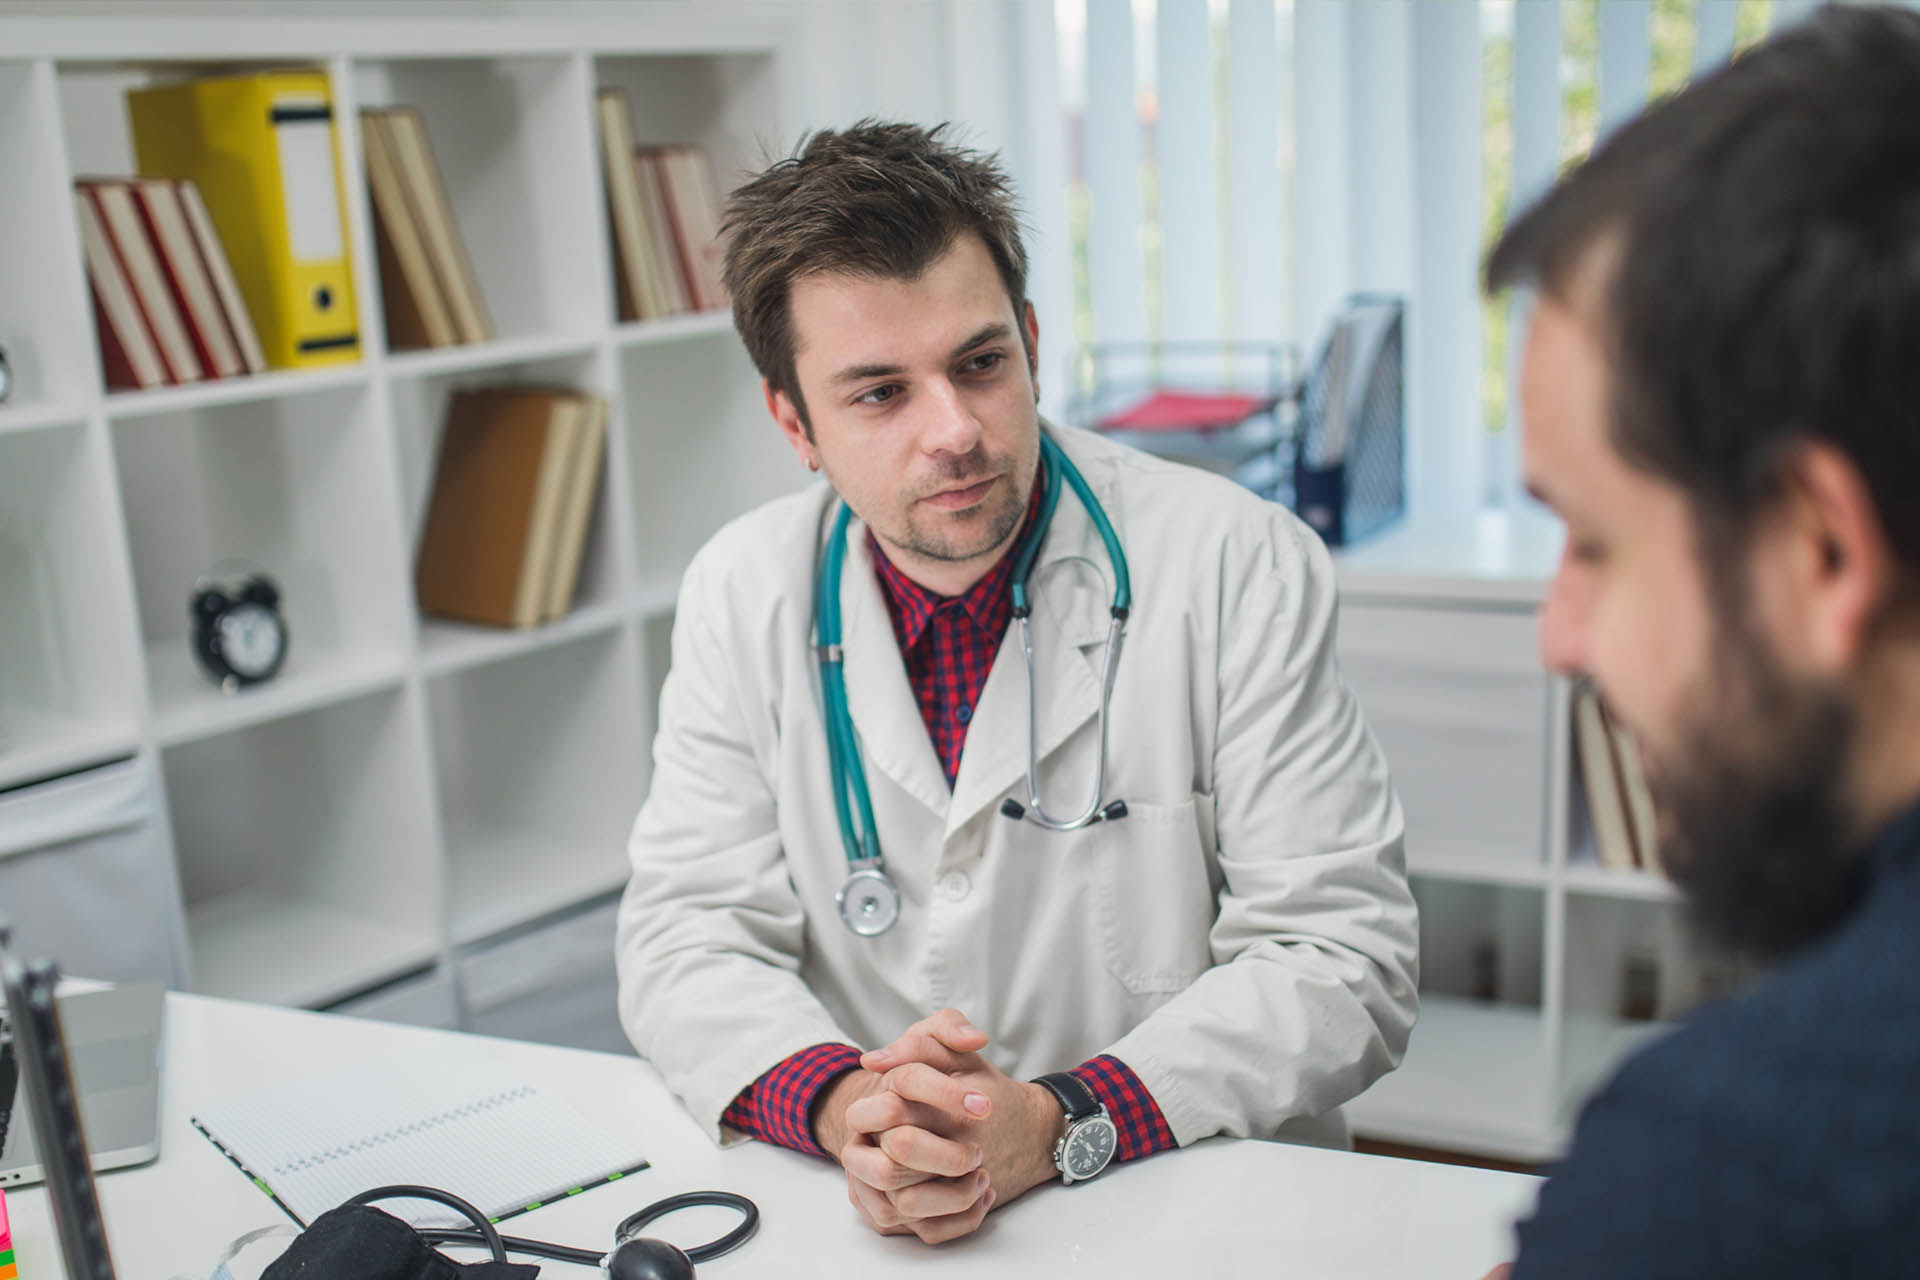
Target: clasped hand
point(933, 1136)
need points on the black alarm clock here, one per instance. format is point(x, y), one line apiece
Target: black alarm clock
point(239, 633)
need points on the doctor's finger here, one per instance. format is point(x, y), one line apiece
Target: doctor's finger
point(876, 1209)
point(920, 1046)
point(954, 1225)
point(878, 1112)
point(874, 1168)
point(941, 1197)
point(918, 1082)
point(949, 1027)
point(915, 1148)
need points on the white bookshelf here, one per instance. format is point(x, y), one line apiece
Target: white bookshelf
point(406, 791)
point(1439, 637)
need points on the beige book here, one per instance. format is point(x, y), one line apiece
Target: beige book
point(127, 349)
point(659, 227)
point(576, 507)
point(1639, 800)
point(427, 197)
point(1606, 806)
point(232, 303)
point(568, 416)
point(192, 284)
point(128, 233)
point(415, 308)
point(640, 293)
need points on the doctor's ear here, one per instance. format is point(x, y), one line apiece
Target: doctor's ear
point(790, 416)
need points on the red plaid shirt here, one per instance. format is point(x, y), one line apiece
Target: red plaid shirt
point(948, 643)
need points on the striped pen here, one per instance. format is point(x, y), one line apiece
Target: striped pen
point(7, 1270)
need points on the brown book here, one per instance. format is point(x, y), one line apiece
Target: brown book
point(659, 226)
point(415, 308)
point(127, 232)
point(128, 355)
point(440, 230)
point(214, 254)
point(640, 297)
point(486, 545)
point(576, 507)
point(192, 285)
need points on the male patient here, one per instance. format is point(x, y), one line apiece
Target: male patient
point(1722, 398)
point(1231, 950)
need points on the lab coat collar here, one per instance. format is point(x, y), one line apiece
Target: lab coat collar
point(1071, 592)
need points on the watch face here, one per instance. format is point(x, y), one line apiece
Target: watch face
point(1089, 1147)
point(251, 641)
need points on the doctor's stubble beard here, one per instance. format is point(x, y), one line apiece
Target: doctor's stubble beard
point(1753, 821)
point(1006, 508)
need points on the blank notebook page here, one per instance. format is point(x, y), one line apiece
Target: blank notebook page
point(449, 1118)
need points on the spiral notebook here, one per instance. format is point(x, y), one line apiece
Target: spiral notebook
point(452, 1119)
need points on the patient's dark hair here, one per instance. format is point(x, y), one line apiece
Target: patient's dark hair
point(1758, 239)
point(879, 200)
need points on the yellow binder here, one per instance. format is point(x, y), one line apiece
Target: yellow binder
point(262, 150)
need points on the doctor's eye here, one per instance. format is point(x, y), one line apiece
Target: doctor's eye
point(884, 394)
point(985, 362)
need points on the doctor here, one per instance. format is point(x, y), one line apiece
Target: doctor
point(1221, 939)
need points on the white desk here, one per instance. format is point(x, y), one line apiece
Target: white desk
point(1215, 1209)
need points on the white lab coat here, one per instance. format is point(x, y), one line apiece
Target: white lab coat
point(1244, 939)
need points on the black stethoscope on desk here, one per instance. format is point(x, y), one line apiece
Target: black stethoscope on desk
point(869, 901)
point(633, 1257)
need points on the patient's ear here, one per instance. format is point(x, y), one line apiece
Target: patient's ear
point(1824, 566)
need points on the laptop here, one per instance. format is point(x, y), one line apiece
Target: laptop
point(113, 1037)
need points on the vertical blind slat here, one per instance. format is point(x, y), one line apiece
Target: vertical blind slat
point(1037, 164)
point(1626, 60)
point(1712, 33)
point(1322, 246)
point(1189, 207)
point(1445, 445)
point(1112, 132)
point(1253, 176)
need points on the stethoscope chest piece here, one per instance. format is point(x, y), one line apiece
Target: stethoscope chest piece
point(868, 902)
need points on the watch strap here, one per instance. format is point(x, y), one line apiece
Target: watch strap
point(1075, 1098)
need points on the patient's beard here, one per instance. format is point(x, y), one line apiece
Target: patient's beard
point(1753, 820)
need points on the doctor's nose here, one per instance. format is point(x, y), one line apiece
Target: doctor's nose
point(949, 426)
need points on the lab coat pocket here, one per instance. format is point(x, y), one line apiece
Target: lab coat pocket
point(1157, 902)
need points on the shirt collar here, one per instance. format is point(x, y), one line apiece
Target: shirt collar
point(988, 603)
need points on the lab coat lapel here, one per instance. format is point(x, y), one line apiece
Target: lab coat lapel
point(893, 738)
point(1070, 592)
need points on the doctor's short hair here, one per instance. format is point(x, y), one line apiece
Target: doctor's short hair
point(1749, 251)
point(878, 200)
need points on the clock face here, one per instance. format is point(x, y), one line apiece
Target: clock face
point(251, 641)
point(1089, 1147)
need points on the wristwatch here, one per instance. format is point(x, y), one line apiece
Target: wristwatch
point(1087, 1145)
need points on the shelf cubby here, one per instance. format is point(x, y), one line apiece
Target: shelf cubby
point(541, 764)
point(298, 487)
point(419, 408)
point(306, 848)
point(68, 680)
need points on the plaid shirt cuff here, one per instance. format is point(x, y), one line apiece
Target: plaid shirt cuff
point(1143, 1130)
point(778, 1107)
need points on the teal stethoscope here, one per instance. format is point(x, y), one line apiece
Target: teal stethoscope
point(869, 902)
